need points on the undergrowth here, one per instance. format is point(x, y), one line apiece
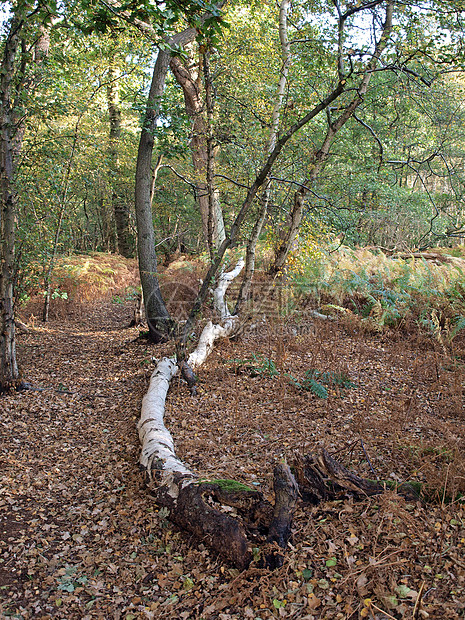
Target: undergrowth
point(386, 292)
point(314, 381)
point(82, 279)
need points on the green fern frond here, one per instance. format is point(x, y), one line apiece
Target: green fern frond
point(459, 324)
point(293, 381)
point(316, 388)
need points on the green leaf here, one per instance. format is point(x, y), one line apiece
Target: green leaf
point(403, 590)
point(316, 388)
point(307, 573)
point(391, 601)
point(331, 562)
point(187, 584)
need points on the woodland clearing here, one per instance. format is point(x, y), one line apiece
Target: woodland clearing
point(81, 538)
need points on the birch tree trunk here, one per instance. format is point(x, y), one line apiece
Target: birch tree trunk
point(244, 290)
point(202, 155)
point(173, 484)
point(196, 505)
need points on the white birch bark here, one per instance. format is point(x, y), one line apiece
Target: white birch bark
point(157, 443)
point(158, 457)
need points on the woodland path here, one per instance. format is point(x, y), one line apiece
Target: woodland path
point(81, 538)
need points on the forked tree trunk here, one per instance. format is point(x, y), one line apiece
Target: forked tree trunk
point(158, 318)
point(194, 504)
point(320, 155)
point(203, 156)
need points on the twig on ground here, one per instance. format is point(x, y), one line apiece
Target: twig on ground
point(368, 460)
point(416, 609)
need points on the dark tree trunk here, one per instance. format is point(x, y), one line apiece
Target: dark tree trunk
point(158, 318)
point(124, 238)
point(9, 374)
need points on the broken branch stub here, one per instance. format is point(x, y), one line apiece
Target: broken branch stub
point(322, 478)
point(286, 493)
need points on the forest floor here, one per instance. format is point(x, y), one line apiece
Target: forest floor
point(80, 537)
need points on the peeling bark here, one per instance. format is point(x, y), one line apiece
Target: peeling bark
point(197, 505)
point(158, 458)
point(173, 484)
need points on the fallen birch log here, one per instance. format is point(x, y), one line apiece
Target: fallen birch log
point(174, 485)
point(203, 508)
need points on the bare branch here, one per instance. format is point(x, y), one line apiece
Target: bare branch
point(371, 130)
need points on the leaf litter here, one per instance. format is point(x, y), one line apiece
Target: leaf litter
point(80, 537)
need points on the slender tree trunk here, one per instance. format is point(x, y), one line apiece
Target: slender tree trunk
point(9, 374)
point(321, 155)
point(275, 118)
point(63, 196)
point(48, 276)
point(158, 318)
point(294, 225)
point(120, 209)
point(202, 155)
point(216, 233)
point(246, 283)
